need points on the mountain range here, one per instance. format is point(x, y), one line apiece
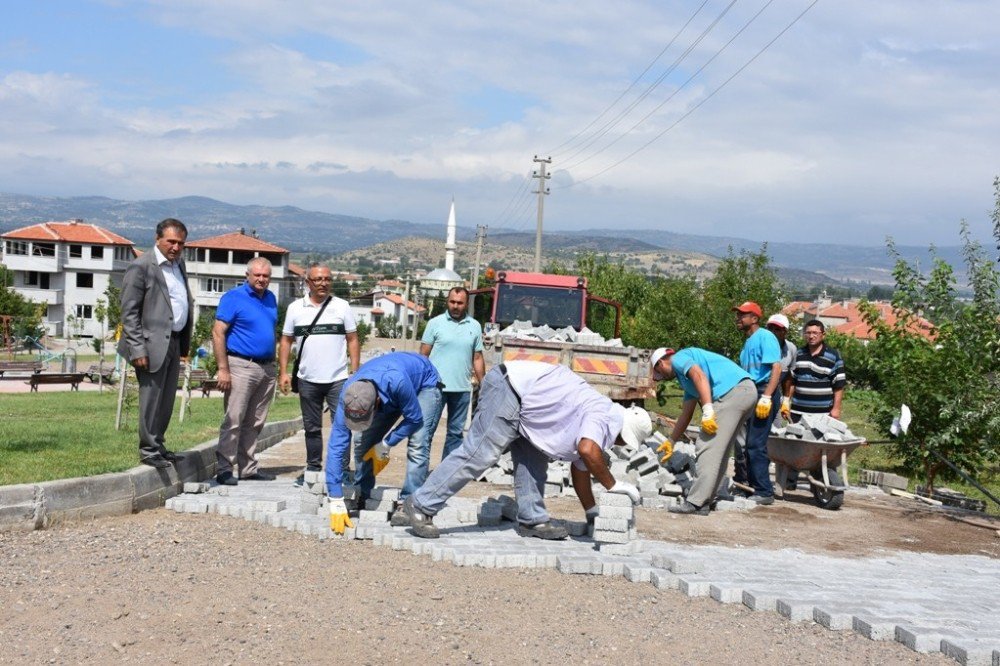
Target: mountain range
point(312, 231)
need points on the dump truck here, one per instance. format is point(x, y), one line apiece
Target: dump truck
point(560, 301)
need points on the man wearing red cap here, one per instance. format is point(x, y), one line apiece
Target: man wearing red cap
point(761, 358)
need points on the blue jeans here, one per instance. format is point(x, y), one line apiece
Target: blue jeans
point(751, 461)
point(418, 451)
point(312, 396)
point(364, 472)
point(494, 428)
point(457, 403)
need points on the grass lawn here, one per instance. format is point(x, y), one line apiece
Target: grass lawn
point(45, 436)
point(876, 456)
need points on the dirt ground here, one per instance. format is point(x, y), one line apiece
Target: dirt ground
point(159, 587)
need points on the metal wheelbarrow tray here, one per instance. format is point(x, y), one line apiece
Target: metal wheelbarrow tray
point(826, 463)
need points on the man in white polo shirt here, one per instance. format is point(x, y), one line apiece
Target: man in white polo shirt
point(324, 331)
point(542, 412)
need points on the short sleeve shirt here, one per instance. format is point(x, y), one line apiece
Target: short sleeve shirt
point(722, 374)
point(323, 357)
point(760, 352)
point(252, 320)
point(452, 345)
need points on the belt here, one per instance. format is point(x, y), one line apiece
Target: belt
point(503, 371)
point(258, 361)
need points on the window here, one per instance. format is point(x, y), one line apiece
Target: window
point(36, 279)
point(218, 256)
point(43, 250)
point(84, 311)
point(76, 252)
point(214, 285)
point(123, 253)
point(96, 251)
point(85, 280)
point(17, 247)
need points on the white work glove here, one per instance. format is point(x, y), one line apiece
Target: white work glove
point(379, 456)
point(338, 515)
point(591, 514)
point(708, 422)
point(625, 488)
point(763, 407)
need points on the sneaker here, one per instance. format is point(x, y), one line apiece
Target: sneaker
point(762, 500)
point(688, 508)
point(300, 480)
point(226, 479)
point(546, 531)
point(421, 524)
point(399, 519)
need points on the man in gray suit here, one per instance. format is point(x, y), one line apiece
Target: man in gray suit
point(157, 313)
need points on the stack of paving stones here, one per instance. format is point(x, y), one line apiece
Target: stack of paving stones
point(525, 330)
point(816, 428)
point(614, 527)
point(930, 603)
point(884, 480)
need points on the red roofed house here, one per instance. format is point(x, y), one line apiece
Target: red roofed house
point(66, 266)
point(371, 307)
point(845, 317)
point(217, 264)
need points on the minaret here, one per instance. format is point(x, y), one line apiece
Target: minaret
point(449, 244)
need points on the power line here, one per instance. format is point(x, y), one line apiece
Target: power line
point(700, 102)
point(555, 151)
point(608, 126)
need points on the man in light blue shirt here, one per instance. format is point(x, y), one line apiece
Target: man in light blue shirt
point(454, 342)
point(542, 412)
point(726, 395)
point(761, 358)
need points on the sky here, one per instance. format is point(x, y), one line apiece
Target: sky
point(785, 120)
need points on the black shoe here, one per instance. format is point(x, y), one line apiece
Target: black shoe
point(171, 456)
point(259, 476)
point(762, 500)
point(399, 519)
point(157, 461)
point(300, 480)
point(421, 524)
point(226, 479)
point(688, 508)
point(546, 531)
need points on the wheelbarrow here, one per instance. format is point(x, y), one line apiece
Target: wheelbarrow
point(826, 463)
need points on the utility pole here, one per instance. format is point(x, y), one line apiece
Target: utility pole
point(406, 306)
point(542, 191)
point(480, 237)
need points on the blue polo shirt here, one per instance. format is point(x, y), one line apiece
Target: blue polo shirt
point(251, 320)
point(760, 352)
point(452, 345)
point(722, 374)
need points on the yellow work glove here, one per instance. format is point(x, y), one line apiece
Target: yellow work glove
point(786, 409)
point(379, 456)
point(667, 449)
point(763, 407)
point(708, 423)
point(339, 520)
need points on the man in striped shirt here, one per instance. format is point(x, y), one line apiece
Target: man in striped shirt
point(818, 375)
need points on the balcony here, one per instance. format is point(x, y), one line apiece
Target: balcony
point(46, 296)
point(24, 262)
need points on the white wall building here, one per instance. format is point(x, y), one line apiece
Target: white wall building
point(66, 266)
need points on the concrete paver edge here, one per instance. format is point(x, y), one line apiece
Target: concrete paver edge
point(32, 506)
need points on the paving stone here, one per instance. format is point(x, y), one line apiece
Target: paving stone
point(919, 639)
point(726, 595)
point(835, 618)
point(611, 537)
point(366, 516)
point(614, 499)
point(613, 524)
point(616, 512)
point(664, 580)
point(795, 610)
point(693, 587)
point(875, 628)
point(380, 505)
point(968, 651)
point(270, 506)
point(637, 573)
point(763, 601)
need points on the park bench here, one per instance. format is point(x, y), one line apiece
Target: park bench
point(203, 381)
point(19, 368)
point(71, 378)
point(94, 372)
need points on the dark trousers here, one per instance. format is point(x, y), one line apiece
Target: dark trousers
point(312, 397)
point(751, 461)
point(157, 391)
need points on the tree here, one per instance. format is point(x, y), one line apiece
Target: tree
point(27, 316)
point(388, 327)
point(113, 299)
point(948, 375)
point(363, 331)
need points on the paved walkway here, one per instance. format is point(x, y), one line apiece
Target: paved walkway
point(928, 602)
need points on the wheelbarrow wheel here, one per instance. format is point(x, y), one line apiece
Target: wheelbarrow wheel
point(826, 498)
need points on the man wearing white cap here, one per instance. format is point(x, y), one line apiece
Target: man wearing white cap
point(542, 412)
point(726, 394)
point(778, 324)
